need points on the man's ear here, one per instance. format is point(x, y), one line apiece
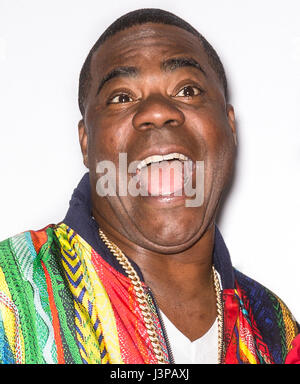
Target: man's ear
point(231, 120)
point(83, 140)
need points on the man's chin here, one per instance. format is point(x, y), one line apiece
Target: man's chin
point(170, 238)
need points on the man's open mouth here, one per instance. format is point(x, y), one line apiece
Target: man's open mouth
point(164, 175)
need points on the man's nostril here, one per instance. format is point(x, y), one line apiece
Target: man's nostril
point(170, 122)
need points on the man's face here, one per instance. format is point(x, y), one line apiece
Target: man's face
point(161, 96)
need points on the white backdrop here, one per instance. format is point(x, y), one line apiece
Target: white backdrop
point(42, 47)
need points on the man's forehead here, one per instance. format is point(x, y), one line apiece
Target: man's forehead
point(140, 41)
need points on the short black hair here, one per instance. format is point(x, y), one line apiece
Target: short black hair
point(138, 17)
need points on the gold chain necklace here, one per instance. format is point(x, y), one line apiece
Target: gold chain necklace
point(144, 306)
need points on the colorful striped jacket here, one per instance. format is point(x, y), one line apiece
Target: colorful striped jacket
point(65, 299)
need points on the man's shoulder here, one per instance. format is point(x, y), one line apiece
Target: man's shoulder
point(26, 247)
point(267, 313)
point(258, 295)
point(32, 291)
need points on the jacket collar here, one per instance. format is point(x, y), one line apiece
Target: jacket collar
point(79, 218)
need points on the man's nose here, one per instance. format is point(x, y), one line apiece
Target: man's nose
point(157, 112)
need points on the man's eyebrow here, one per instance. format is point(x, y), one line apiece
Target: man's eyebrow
point(180, 62)
point(117, 72)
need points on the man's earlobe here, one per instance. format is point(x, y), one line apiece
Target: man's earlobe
point(231, 120)
point(83, 140)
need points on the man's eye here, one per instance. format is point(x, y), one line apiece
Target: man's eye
point(189, 91)
point(119, 99)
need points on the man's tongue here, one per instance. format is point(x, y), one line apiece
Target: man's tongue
point(162, 179)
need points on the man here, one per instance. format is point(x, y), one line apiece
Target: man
point(142, 277)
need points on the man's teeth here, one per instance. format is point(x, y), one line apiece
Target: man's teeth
point(158, 158)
